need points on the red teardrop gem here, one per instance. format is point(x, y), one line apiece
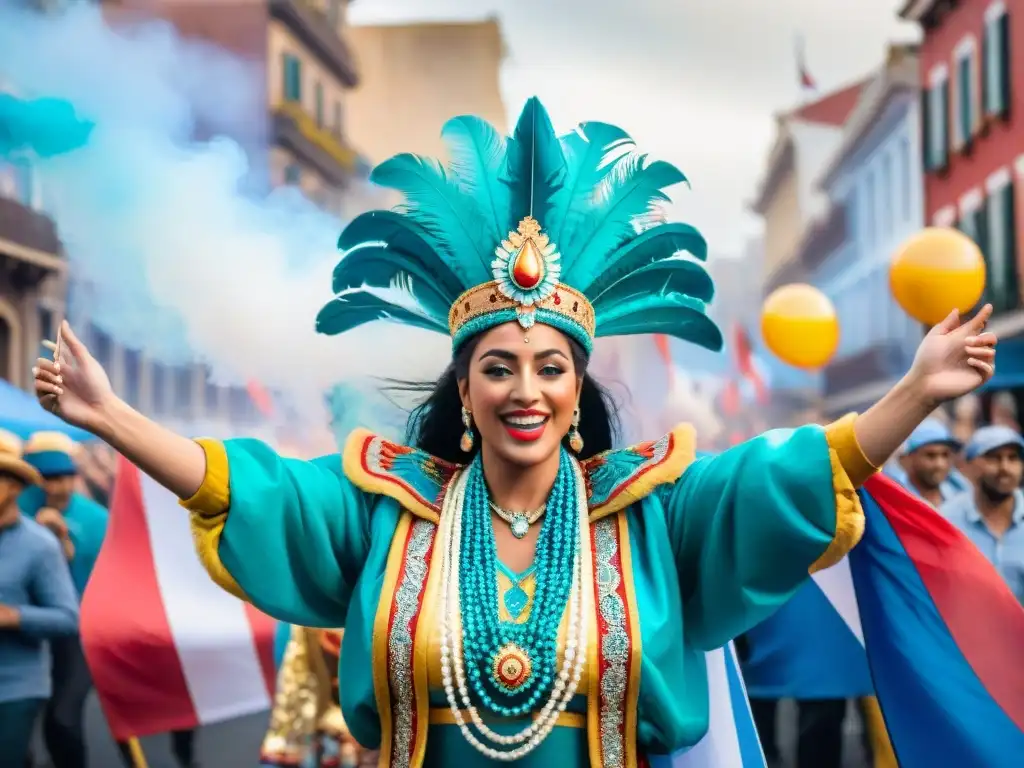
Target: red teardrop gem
point(528, 267)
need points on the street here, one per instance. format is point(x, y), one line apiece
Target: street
point(236, 743)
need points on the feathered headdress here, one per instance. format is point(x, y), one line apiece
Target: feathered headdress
point(565, 231)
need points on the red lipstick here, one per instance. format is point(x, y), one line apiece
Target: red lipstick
point(526, 433)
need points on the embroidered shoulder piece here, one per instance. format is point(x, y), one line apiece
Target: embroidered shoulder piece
point(616, 479)
point(412, 477)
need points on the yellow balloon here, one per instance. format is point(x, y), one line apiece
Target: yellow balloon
point(936, 271)
point(799, 325)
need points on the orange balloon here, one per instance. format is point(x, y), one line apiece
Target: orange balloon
point(800, 326)
point(936, 271)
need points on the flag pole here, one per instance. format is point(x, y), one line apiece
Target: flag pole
point(138, 756)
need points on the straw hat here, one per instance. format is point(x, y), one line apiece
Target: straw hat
point(51, 453)
point(11, 460)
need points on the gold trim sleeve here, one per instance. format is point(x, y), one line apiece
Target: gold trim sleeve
point(849, 513)
point(214, 495)
point(843, 440)
point(206, 533)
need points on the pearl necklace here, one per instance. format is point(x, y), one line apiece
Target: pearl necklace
point(565, 686)
point(519, 522)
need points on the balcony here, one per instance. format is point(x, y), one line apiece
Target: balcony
point(298, 132)
point(29, 246)
point(882, 362)
point(312, 29)
point(824, 238)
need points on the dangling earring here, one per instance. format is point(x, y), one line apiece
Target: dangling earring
point(466, 443)
point(575, 439)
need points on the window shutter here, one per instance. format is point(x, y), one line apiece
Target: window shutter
point(1009, 239)
point(926, 129)
point(942, 150)
point(989, 66)
point(1003, 26)
point(963, 95)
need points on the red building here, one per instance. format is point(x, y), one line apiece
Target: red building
point(972, 71)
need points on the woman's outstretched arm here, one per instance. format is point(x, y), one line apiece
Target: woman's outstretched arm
point(75, 387)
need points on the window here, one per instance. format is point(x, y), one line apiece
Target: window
point(966, 121)
point(995, 82)
point(870, 217)
point(240, 406)
point(132, 373)
point(292, 69)
point(102, 347)
point(158, 388)
point(1000, 255)
point(936, 116)
point(293, 174)
point(212, 397)
point(887, 191)
point(906, 182)
point(337, 118)
point(182, 387)
point(319, 104)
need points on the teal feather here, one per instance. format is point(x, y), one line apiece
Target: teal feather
point(477, 162)
point(405, 240)
point(660, 242)
point(632, 190)
point(434, 201)
point(672, 314)
point(594, 196)
point(360, 307)
point(535, 166)
point(591, 152)
point(382, 267)
point(674, 275)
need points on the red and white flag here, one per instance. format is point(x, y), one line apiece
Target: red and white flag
point(168, 649)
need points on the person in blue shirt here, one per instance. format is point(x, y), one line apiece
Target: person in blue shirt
point(926, 466)
point(37, 604)
point(992, 515)
point(82, 523)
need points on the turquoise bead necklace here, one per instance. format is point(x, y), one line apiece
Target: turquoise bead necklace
point(511, 666)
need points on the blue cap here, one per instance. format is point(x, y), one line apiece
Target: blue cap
point(989, 438)
point(930, 432)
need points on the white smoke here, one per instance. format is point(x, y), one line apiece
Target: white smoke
point(184, 260)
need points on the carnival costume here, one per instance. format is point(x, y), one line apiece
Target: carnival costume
point(307, 729)
point(450, 658)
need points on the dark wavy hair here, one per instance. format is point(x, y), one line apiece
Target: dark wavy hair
point(435, 425)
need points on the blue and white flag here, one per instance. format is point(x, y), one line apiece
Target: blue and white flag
point(731, 740)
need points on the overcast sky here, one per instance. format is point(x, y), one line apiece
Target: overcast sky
point(696, 82)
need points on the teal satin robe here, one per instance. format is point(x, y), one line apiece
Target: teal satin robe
point(704, 549)
point(87, 527)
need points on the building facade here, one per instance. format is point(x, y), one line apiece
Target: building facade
point(299, 54)
point(415, 77)
point(791, 203)
point(33, 273)
point(874, 186)
point(972, 75)
point(296, 135)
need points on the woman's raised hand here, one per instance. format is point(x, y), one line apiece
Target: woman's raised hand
point(73, 385)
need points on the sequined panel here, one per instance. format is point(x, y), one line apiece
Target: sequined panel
point(404, 613)
point(418, 473)
point(614, 644)
point(293, 717)
point(608, 474)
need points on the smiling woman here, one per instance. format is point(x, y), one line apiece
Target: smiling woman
point(512, 588)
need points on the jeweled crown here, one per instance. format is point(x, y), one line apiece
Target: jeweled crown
point(534, 228)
